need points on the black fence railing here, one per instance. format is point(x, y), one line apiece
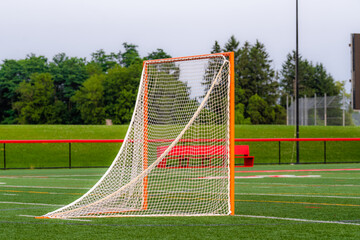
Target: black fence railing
point(265, 150)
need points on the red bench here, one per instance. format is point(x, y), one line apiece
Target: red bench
point(242, 151)
point(201, 156)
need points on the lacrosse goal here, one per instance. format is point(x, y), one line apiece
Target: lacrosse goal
point(182, 103)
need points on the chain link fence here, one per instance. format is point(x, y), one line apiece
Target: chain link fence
point(321, 111)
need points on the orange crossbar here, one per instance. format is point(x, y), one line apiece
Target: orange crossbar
point(177, 59)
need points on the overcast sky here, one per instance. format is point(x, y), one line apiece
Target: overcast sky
point(180, 27)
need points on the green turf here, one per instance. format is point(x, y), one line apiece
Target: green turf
point(102, 154)
point(326, 196)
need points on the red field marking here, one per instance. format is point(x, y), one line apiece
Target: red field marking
point(300, 170)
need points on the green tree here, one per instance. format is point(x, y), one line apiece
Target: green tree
point(120, 91)
point(37, 103)
point(266, 85)
point(12, 73)
point(280, 114)
point(158, 54)
point(232, 45)
point(68, 74)
point(216, 48)
point(89, 99)
point(322, 82)
point(239, 114)
point(130, 56)
point(255, 74)
point(106, 61)
point(259, 111)
point(313, 79)
point(93, 68)
point(32, 64)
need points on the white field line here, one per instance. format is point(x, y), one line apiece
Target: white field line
point(80, 220)
point(297, 185)
point(74, 179)
point(64, 175)
point(70, 219)
point(34, 204)
point(299, 220)
point(49, 176)
point(46, 178)
point(9, 194)
point(2, 183)
point(341, 178)
point(45, 187)
point(294, 195)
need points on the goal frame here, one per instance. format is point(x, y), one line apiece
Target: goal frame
point(231, 59)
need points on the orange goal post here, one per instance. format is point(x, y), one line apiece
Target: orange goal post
point(181, 103)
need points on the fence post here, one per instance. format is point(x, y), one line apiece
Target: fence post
point(279, 153)
point(301, 109)
point(325, 113)
point(344, 109)
point(305, 112)
point(293, 111)
point(315, 109)
point(287, 110)
point(324, 151)
point(69, 155)
point(4, 157)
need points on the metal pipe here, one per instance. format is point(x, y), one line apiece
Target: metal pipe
point(297, 83)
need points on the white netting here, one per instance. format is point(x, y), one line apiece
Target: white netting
point(175, 157)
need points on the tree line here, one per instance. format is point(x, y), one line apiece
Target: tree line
point(260, 90)
point(72, 90)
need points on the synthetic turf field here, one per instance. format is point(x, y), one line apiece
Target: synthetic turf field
point(323, 203)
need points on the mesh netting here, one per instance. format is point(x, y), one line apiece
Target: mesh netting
point(175, 157)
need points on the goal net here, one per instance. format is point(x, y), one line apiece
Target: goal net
point(175, 159)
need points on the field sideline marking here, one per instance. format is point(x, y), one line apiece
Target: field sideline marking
point(300, 170)
point(267, 201)
point(70, 219)
point(295, 195)
point(46, 178)
point(79, 220)
point(299, 220)
point(143, 225)
point(296, 185)
point(18, 191)
point(303, 203)
point(341, 178)
point(62, 175)
point(19, 186)
point(35, 204)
